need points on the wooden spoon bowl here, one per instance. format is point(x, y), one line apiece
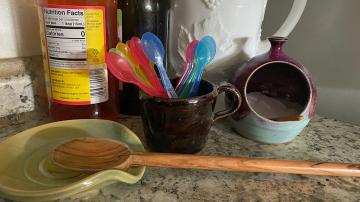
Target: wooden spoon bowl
point(93, 154)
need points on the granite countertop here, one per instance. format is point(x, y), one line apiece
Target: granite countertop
point(323, 140)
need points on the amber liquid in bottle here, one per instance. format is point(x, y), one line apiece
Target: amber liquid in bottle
point(104, 110)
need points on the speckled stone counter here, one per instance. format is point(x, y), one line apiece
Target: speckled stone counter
point(323, 140)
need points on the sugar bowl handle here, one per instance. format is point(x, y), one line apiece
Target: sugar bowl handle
point(227, 87)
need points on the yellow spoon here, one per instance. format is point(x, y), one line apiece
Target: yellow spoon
point(139, 72)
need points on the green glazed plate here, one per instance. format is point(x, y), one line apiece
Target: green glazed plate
point(28, 174)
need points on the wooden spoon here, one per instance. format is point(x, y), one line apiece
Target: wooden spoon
point(94, 154)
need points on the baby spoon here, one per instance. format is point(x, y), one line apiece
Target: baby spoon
point(123, 71)
point(204, 53)
point(155, 51)
point(137, 52)
point(140, 73)
point(190, 52)
point(210, 42)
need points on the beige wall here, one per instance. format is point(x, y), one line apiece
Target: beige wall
point(327, 41)
point(19, 30)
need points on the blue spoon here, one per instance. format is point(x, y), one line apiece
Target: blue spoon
point(155, 52)
point(211, 44)
point(204, 54)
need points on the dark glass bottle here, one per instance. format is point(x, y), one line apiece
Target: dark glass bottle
point(140, 16)
point(129, 94)
point(154, 17)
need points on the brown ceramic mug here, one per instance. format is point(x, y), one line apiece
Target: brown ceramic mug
point(182, 125)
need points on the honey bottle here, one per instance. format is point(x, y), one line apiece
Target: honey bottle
point(76, 35)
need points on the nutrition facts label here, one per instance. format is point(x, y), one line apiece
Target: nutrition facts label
point(76, 54)
point(66, 37)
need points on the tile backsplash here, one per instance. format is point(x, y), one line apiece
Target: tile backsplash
point(22, 83)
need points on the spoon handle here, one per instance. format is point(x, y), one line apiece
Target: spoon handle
point(241, 164)
point(166, 81)
point(185, 91)
point(190, 54)
point(181, 83)
point(196, 84)
point(194, 75)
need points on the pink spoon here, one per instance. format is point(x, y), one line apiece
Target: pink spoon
point(122, 70)
point(137, 52)
point(190, 52)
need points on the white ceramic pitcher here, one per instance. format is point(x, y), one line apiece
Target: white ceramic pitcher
point(235, 25)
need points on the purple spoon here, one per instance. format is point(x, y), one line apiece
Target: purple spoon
point(190, 53)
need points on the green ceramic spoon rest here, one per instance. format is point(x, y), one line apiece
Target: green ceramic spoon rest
point(28, 174)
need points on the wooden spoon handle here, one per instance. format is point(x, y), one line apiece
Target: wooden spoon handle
point(244, 164)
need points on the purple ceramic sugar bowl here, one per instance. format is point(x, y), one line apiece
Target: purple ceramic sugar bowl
point(269, 81)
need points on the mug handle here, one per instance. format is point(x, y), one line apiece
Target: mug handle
point(227, 87)
point(287, 27)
